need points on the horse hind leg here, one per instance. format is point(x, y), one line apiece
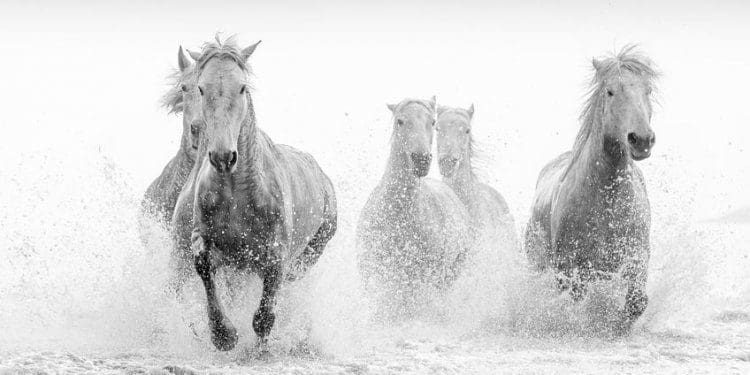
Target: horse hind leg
point(313, 250)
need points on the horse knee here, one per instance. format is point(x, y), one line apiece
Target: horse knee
point(635, 303)
point(202, 265)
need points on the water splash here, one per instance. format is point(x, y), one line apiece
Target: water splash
point(80, 275)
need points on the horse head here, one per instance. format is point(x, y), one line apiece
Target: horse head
point(413, 122)
point(453, 138)
point(224, 90)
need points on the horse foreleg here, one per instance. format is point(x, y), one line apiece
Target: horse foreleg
point(636, 299)
point(223, 333)
point(264, 316)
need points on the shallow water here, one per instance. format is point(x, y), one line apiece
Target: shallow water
point(82, 294)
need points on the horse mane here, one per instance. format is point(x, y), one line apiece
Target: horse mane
point(628, 59)
point(172, 99)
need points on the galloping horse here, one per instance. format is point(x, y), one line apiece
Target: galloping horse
point(490, 217)
point(591, 215)
point(161, 196)
point(413, 230)
point(255, 204)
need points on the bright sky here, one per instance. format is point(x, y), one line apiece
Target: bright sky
point(91, 73)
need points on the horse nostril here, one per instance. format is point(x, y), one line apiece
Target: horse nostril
point(232, 159)
point(632, 139)
point(223, 161)
point(653, 140)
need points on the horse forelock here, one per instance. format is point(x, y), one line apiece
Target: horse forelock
point(407, 102)
point(611, 67)
point(222, 49)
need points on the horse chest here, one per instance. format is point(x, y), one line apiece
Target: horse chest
point(241, 232)
point(601, 230)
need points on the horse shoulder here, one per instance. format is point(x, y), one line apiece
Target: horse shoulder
point(440, 203)
point(493, 199)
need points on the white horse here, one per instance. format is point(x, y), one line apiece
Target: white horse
point(591, 216)
point(250, 203)
point(490, 218)
point(413, 230)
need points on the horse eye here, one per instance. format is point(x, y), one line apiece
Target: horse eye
point(610, 93)
point(194, 129)
point(200, 89)
point(467, 131)
point(400, 122)
point(243, 89)
point(184, 88)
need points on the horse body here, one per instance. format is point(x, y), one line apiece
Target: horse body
point(417, 231)
point(591, 213)
point(488, 210)
point(282, 198)
point(413, 230)
point(249, 203)
point(597, 221)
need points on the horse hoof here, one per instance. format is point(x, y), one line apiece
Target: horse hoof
point(224, 336)
point(262, 323)
point(261, 350)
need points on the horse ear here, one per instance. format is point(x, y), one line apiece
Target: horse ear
point(471, 110)
point(182, 60)
point(391, 107)
point(596, 63)
point(249, 51)
point(433, 103)
point(194, 55)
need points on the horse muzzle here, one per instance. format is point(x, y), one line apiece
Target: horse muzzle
point(223, 161)
point(421, 164)
point(641, 146)
point(447, 165)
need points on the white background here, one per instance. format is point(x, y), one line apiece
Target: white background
point(90, 73)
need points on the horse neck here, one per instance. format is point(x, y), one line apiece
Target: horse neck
point(463, 181)
point(593, 169)
point(399, 180)
point(251, 145)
